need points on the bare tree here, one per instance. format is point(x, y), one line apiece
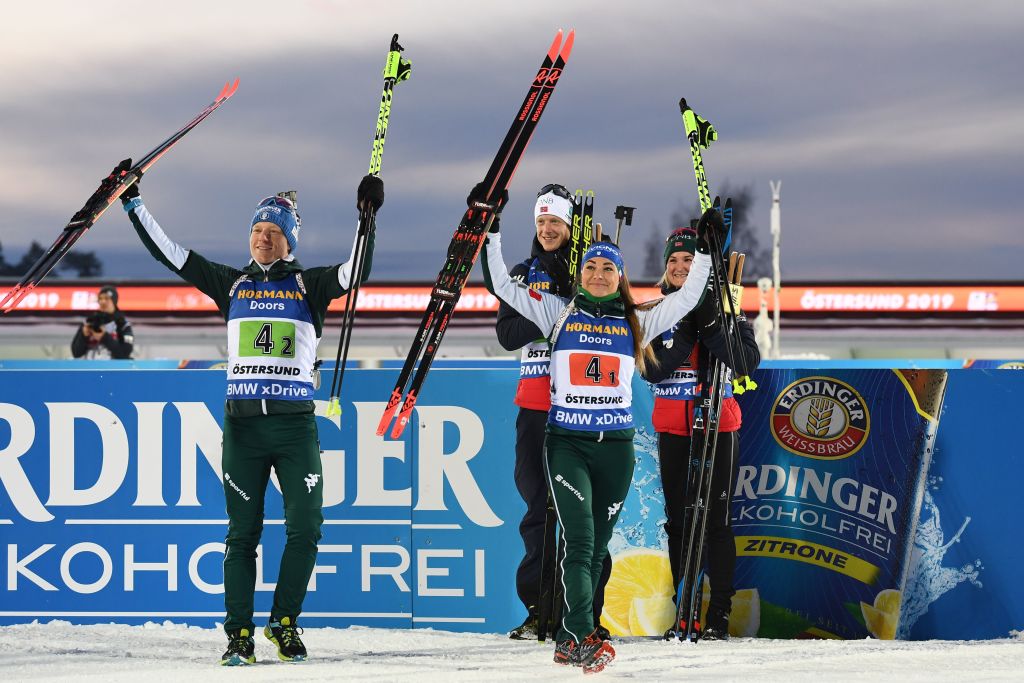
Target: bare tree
point(746, 236)
point(653, 250)
point(84, 263)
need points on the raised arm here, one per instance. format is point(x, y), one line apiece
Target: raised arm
point(345, 269)
point(512, 329)
point(670, 310)
point(711, 230)
point(370, 190)
point(212, 279)
point(540, 308)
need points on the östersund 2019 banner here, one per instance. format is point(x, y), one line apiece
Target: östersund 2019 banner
point(112, 507)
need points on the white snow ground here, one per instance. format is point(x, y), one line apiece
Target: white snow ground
point(160, 653)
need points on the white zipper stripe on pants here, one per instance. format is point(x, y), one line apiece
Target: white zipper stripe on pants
point(561, 560)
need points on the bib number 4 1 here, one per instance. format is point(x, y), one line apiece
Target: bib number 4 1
point(593, 370)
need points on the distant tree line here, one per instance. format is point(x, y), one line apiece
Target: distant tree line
point(81, 263)
point(746, 236)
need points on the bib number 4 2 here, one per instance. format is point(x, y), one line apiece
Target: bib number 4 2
point(261, 338)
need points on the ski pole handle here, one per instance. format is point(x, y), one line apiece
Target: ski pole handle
point(396, 67)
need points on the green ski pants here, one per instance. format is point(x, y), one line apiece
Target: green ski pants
point(589, 480)
point(252, 446)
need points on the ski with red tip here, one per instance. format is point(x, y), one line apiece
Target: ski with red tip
point(109, 190)
point(468, 239)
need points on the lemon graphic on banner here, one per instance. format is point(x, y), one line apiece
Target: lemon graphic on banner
point(745, 617)
point(650, 616)
point(638, 593)
point(882, 618)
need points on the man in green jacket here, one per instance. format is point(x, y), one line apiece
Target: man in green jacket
point(275, 312)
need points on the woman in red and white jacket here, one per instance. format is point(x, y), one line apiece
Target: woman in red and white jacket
point(684, 362)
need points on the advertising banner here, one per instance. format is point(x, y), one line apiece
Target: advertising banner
point(964, 580)
point(827, 496)
point(871, 299)
point(112, 507)
point(824, 507)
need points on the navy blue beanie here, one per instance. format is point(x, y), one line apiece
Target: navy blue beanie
point(280, 212)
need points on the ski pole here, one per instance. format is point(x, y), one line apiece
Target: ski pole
point(396, 69)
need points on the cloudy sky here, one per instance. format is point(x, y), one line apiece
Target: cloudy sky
point(895, 127)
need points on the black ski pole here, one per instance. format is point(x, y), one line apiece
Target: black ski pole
point(699, 133)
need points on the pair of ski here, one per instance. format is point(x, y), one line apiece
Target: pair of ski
point(581, 232)
point(707, 411)
point(112, 187)
point(469, 238)
point(584, 231)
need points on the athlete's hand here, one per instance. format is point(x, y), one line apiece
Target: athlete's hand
point(706, 316)
point(132, 191)
point(371, 189)
point(711, 228)
point(478, 196)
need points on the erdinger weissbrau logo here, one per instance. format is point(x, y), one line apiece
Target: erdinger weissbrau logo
point(820, 417)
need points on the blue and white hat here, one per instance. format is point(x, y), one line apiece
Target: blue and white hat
point(281, 212)
point(605, 250)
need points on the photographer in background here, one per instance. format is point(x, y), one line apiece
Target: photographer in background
point(105, 333)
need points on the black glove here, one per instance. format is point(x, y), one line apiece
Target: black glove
point(130, 192)
point(557, 268)
point(706, 133)
point(710, 222)
point(478, 195)
point(371, 189)
point(705, 316)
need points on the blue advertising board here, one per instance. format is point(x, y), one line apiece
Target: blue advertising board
point(111, 506)
point(964, 581)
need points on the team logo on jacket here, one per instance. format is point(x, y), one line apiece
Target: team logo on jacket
point(820, 417)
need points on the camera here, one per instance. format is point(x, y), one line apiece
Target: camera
point(97, 321)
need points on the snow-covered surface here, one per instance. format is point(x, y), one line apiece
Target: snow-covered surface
point(58, 651)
